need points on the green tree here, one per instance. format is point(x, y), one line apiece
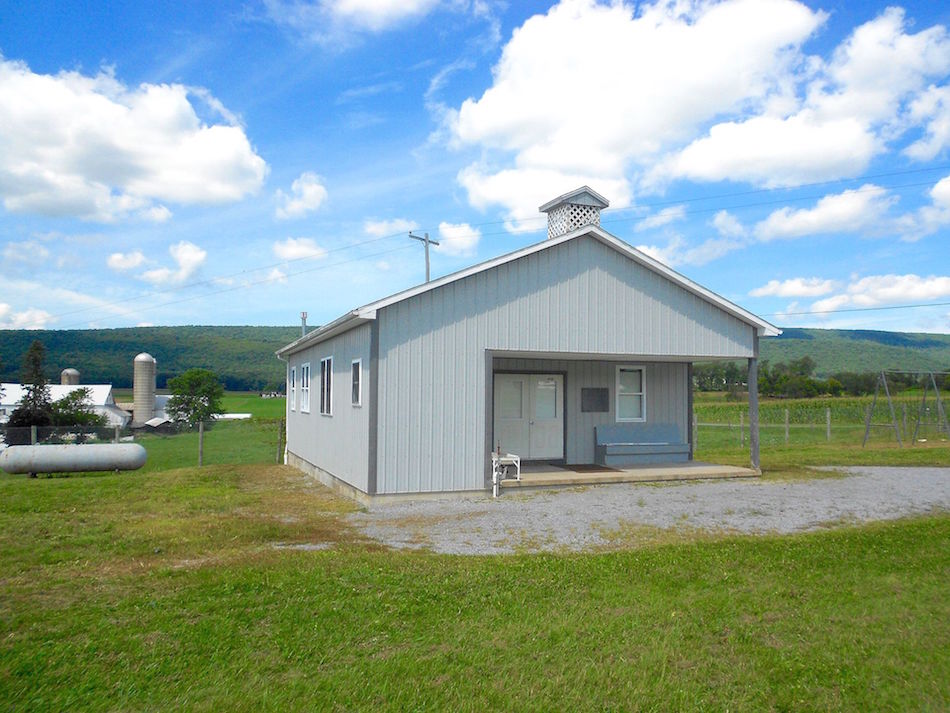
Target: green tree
point(34, 408)
point(75, 409)
point(196, 396)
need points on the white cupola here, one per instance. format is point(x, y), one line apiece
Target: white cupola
point(573, 210)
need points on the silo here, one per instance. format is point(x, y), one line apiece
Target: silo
point(69, 377)
point(143, 388)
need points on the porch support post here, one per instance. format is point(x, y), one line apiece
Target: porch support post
point(690, 412)
point(753, 381)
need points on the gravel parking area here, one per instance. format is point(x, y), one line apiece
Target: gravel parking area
point(589, 517)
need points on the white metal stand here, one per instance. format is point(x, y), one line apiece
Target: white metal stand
point(499, 469)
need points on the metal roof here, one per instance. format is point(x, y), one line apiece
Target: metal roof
point(99, 394)
point(367, 312)
point(586, 194)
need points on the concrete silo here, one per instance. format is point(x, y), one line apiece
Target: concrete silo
point(143, 388)
point(69, 377)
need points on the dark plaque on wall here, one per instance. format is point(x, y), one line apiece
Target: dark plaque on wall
point(595, 400)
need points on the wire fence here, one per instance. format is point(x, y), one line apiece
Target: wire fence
point(804, 424)
point(171, 446)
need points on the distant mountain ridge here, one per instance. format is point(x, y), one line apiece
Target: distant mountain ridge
point(859, 350)
point(243, 357)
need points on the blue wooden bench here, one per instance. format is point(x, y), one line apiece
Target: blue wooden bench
point(620, 444)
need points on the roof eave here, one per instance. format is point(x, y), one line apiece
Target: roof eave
point(570, 194)
point(348, 321)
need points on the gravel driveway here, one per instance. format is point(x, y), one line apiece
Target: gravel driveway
point(597, 516)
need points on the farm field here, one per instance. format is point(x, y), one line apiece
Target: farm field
point(233, 402)
point(172, 587)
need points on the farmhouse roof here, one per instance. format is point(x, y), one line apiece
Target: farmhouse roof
point(367, 312)
point(99, 394)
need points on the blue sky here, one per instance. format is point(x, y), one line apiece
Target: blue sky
point(226, 163)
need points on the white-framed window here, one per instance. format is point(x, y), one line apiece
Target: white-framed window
point(292, 388)
point(326, 386)
point(305, 387)
point(631, 393)
point(356, 390)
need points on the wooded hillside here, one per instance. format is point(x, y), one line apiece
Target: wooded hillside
point(243, 357)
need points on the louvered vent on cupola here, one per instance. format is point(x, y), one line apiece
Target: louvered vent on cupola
point(573, 210)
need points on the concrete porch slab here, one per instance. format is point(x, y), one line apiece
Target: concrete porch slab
point(543, 475)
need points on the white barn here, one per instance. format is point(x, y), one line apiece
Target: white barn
point(547, 352)
point(101, 400)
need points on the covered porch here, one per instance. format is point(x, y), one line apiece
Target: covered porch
point(579, 419)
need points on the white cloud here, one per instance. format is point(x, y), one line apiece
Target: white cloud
point(877, 290)
point(298, 249)
point(457, 239)
point(307, 193)
point(728, 226)
point(931, 218)
point(852, 106)
point(30, 252)
point(795, 287)
point(366, 91)
point(661, 218)
point(156, 214)
point(92, 148)
point(774, 151)
point(931, 108)
point(47, 294)
point(125, 261)
point(678, 252)
point(188, 259)
point(619, 96)
point(277, 275)
point(382, 228)
point(324, 21)
point(847, 212)
point(587, 89)
point(27, 319)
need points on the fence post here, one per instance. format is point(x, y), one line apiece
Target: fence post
point(280, 442)
point(201, 443)
point(904, 413)
point(116, 438)
point(741, 429)
point(32, 435)
point(828, 424)
point(786, 427)
point(695, 432)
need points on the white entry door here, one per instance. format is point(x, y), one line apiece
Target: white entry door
point(529, 415)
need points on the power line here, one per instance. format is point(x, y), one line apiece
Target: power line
point(539, 219)
point(856, 309)
point(246, 285)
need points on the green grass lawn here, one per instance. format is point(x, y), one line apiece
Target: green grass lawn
point(163, 590)
point(225, 442)
point(251, 402)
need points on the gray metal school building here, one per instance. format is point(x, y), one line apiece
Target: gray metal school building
point(528, 353)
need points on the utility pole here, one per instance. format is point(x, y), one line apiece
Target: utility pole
point(427, 242)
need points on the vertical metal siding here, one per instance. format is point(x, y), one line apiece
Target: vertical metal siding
point(579, 297)
point(338, 444)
